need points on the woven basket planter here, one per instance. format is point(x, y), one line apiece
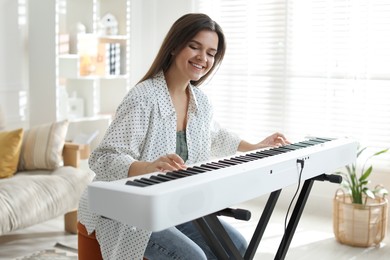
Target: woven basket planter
point(359, 225)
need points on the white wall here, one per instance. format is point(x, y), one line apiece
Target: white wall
point(43, 80)
point(13, 54)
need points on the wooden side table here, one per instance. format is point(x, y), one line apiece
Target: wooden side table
point(72, 156)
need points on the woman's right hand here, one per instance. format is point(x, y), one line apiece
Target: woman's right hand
point(165, 163)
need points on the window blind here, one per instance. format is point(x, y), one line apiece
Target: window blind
point(251, 77)
point(307, 67)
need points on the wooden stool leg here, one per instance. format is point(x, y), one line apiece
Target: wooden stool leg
point(88, 246)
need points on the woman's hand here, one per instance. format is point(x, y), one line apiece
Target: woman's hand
point(274, 140)
point(165, 163)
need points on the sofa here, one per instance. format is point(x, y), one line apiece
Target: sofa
point(40, 178)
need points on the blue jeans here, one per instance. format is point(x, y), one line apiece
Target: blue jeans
point(185, 242)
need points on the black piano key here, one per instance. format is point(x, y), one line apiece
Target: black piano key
point(287, 148)
point(167, 176)
point(300, 144)
point(148, 180)
point(217, 164)
point(228, 162)
point(316, 141)
point(187, 171)
point(282, 149)
point(276, 150)
point(237, 161)
point(134, 183)
point(143, 182)
point(243, 159)
point(212, 166)
point(263, 154)
point(246, 156)
point(224, 164)
point(324, 139)
point(178, 174)
point(195, 170)
point(160, 178)
point(204, 168)
point(271, 152)
point(292, 147)
point(256, 155)
point(309, 143)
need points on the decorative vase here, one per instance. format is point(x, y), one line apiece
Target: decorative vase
point(359, 225)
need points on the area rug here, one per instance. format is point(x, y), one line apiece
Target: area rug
point(59, 252)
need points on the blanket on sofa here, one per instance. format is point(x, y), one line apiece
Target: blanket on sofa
point(32, 197)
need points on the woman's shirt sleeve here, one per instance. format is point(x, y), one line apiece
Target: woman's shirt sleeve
point(122, 143)
point(223, 142)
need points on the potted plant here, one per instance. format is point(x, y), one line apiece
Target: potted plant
point(359, 212)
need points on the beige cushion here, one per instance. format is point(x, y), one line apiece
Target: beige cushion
point(10, 145)
point(42, 146)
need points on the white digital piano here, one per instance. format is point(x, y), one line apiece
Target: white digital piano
point(160, 200)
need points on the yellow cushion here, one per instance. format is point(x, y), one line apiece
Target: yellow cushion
point(42, 146)
point(10, 144)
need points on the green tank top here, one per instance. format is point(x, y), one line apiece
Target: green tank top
point(181, 145)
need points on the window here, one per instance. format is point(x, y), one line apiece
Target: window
point(307, 67)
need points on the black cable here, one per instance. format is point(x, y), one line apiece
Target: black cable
point(302, 163)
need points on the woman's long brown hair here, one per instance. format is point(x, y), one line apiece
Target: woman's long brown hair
point(181, 32)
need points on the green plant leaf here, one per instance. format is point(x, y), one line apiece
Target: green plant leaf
point(380, 152)
point(356, 182)
point(349, 170)
point(360, 152)
point(369, 193)
point(366, 174)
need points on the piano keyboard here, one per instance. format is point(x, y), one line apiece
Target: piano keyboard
point(160, 178)
point(157, 201)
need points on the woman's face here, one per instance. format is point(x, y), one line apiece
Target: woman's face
point(197, 56)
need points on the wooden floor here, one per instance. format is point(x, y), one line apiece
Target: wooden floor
point(313, 239)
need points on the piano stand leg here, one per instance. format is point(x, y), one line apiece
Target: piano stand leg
point(263, 222)
point(221, 244)
point(217, 238)
point(293, 222)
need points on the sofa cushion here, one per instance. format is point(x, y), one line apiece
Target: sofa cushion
point(10, 144)
point(42, 146)
point(33, 197)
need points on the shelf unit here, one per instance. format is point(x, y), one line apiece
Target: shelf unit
point(78, 73)
point(54, 73)
point(99, 91)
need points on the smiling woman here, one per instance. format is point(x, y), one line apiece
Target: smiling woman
point(165, 123)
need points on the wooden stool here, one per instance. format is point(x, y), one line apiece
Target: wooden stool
point(88, 246)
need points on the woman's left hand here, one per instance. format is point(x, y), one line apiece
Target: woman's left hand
point(274, 140)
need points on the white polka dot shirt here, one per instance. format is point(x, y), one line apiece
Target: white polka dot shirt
point(144, 129)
